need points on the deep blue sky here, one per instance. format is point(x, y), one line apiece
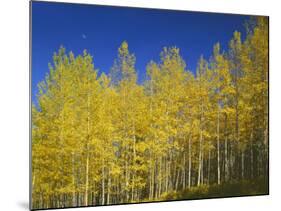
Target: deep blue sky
point(101, 30)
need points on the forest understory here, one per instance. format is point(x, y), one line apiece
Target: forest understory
point(252, 187)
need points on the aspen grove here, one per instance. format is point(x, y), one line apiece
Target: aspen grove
point(100, 139)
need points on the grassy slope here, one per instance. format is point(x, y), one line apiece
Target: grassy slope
point(244, 188)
